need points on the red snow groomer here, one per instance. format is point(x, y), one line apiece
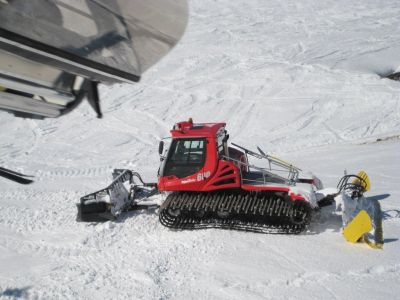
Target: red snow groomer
point(214, 185)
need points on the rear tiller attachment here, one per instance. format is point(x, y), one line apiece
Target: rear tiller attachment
point(126, 192)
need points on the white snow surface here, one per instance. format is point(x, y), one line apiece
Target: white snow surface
point(300, 79)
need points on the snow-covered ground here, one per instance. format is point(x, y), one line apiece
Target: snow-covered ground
point(298, 78)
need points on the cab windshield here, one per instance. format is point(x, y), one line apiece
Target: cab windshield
point(185, 157)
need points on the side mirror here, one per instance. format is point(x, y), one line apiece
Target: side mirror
point(160, 147)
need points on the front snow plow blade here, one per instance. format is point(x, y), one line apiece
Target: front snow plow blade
point(121, 195)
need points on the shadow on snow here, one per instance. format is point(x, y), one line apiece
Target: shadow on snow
point(15, 293)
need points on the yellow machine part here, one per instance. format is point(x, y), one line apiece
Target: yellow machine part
point(359, 226)
point(366, 183)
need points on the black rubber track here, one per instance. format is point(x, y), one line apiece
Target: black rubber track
point(256, 211)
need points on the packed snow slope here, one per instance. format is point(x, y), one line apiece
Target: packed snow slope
point(300, 79)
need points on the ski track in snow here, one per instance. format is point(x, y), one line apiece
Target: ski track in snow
point(299, 79)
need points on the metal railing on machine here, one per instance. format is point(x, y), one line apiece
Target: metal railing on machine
point(277, 169)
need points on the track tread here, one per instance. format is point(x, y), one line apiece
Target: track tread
point(265, 212)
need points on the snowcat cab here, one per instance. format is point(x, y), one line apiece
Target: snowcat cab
point(194, 161)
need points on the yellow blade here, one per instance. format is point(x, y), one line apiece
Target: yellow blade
point(359, 226)
point(366, 184)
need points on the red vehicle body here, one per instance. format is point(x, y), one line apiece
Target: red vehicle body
point(208, 164)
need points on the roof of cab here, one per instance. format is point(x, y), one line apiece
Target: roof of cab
point(190, 129)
